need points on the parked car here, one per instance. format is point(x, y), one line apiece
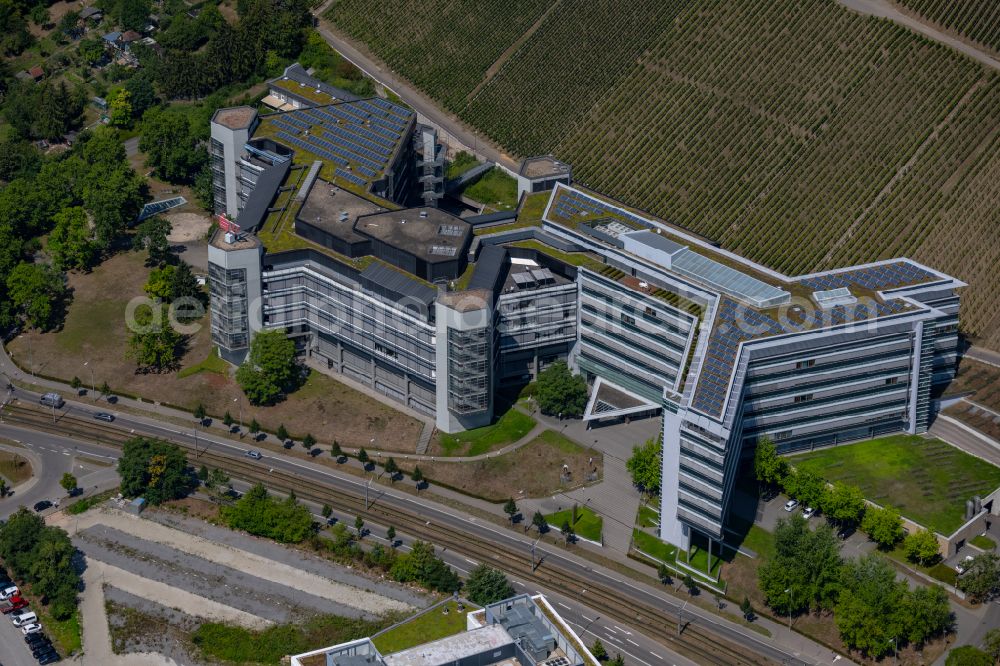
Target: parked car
point(253, 454)
point(14, 604)
point(24, 618)
point(104, 416)
point(845, 532)
point(808, 512)
point(41, 648)
point(50, 658)
point(791, 504)
point(8, 591)
point(42, 505)
point(963, 565)
point(32, 628)
point(37, 639)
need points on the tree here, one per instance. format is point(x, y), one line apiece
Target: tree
point(883, 525)
point(487, 585)
point(926, 613)
point(120, 108)
point(418, 477)
point(151, 235)
point(254, 427)
point(227, 419)
point(844, 503)
point(271, 368)
point(689, 584)
point(90, 50)
point(256, 512)
point(326, 510)
point(805, 561)
point(335, 450)
point(598, 650)
point(991, 643)
point(112, 192)
point(390, 534)
point(510, 508)
point(75, 383)
point(158, 283)
point(105, 389)
point(767, 466)
point(981, 580)
point(218, 478)
point(199, 412)
point(968, 655)
point(567, 531)
point(359, 525)
point(645, 466)
point(747, 609)
point(391, 468)
point(4, 488)
point(538, 520)
point(363, 456)
point(70, 244)
point(664, 575)
point(171, 147)
point(282, 433)
point(559, 391)
point(43, 557)
point(308, 441)
point(806, 486)
point(154, 345)
point(153, 469)
point(130, 14)
point(617, 661)
point(183, 283)
point(38, 292)
point(422, 566)
point(141, 93)
point(203, 473)
point(921, 547)
point(68, 482)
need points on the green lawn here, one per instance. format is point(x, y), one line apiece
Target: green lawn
point(648, 517)
point(652, 546)
point(212, 363)
point(463, 162)
point(938, 570)
point(509, 428)
point(66, 634)
point(926, 479)
point(425, 628)
point(588, 524)
point(983, 542)
point(495, 189)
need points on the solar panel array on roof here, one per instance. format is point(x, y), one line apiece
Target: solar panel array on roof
point(885, 276)
point(359, 138)
point(735, 324)
point(450, 230)
point(444, 250)
point(571, 203)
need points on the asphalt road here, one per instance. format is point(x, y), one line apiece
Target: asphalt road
point(506, 540)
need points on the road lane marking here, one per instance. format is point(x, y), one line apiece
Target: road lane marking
point(586, 618)
point(563, 605)
point(632, 642)
point(472, 562)
point(656, 655)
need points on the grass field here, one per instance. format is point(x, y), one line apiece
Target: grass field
point(425, 628)
point(756, 124)
point(95, 332)
point(495, 189)
point(926, 479)
point(974, 20)
point(983, 542)
point(509, 428)
point(650, 545)
point(588, 524)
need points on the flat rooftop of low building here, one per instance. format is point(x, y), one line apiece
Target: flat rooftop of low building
point(236, 117)
point(454, 649)
point(335, 210)
point(430, 234)
point(542, 166)
point(242, 241)
point(526, 275)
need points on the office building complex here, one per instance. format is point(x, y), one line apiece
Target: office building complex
point(519, 631)
point(341, 247)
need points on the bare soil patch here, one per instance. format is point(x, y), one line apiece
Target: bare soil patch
point(187, 227)
point(534, 470)
point(16, 469)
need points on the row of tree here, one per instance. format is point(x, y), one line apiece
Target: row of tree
point(871, 607)
point(258, 513)
point(44, 557)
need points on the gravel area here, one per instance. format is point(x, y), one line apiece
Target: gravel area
point(279, 553)
point(226, 585)
point(139, 625)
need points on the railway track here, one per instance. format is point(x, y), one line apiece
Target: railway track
point(694, 641)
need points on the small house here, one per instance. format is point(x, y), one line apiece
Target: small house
point(92, 14)
point(36, 73)
point(136, 506)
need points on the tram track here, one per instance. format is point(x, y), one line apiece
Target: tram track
point(694, 641)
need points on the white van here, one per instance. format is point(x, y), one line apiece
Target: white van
point(24, 618)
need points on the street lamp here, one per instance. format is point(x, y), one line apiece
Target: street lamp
point(240, 403)
point(93, 384)
point(788, 591)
